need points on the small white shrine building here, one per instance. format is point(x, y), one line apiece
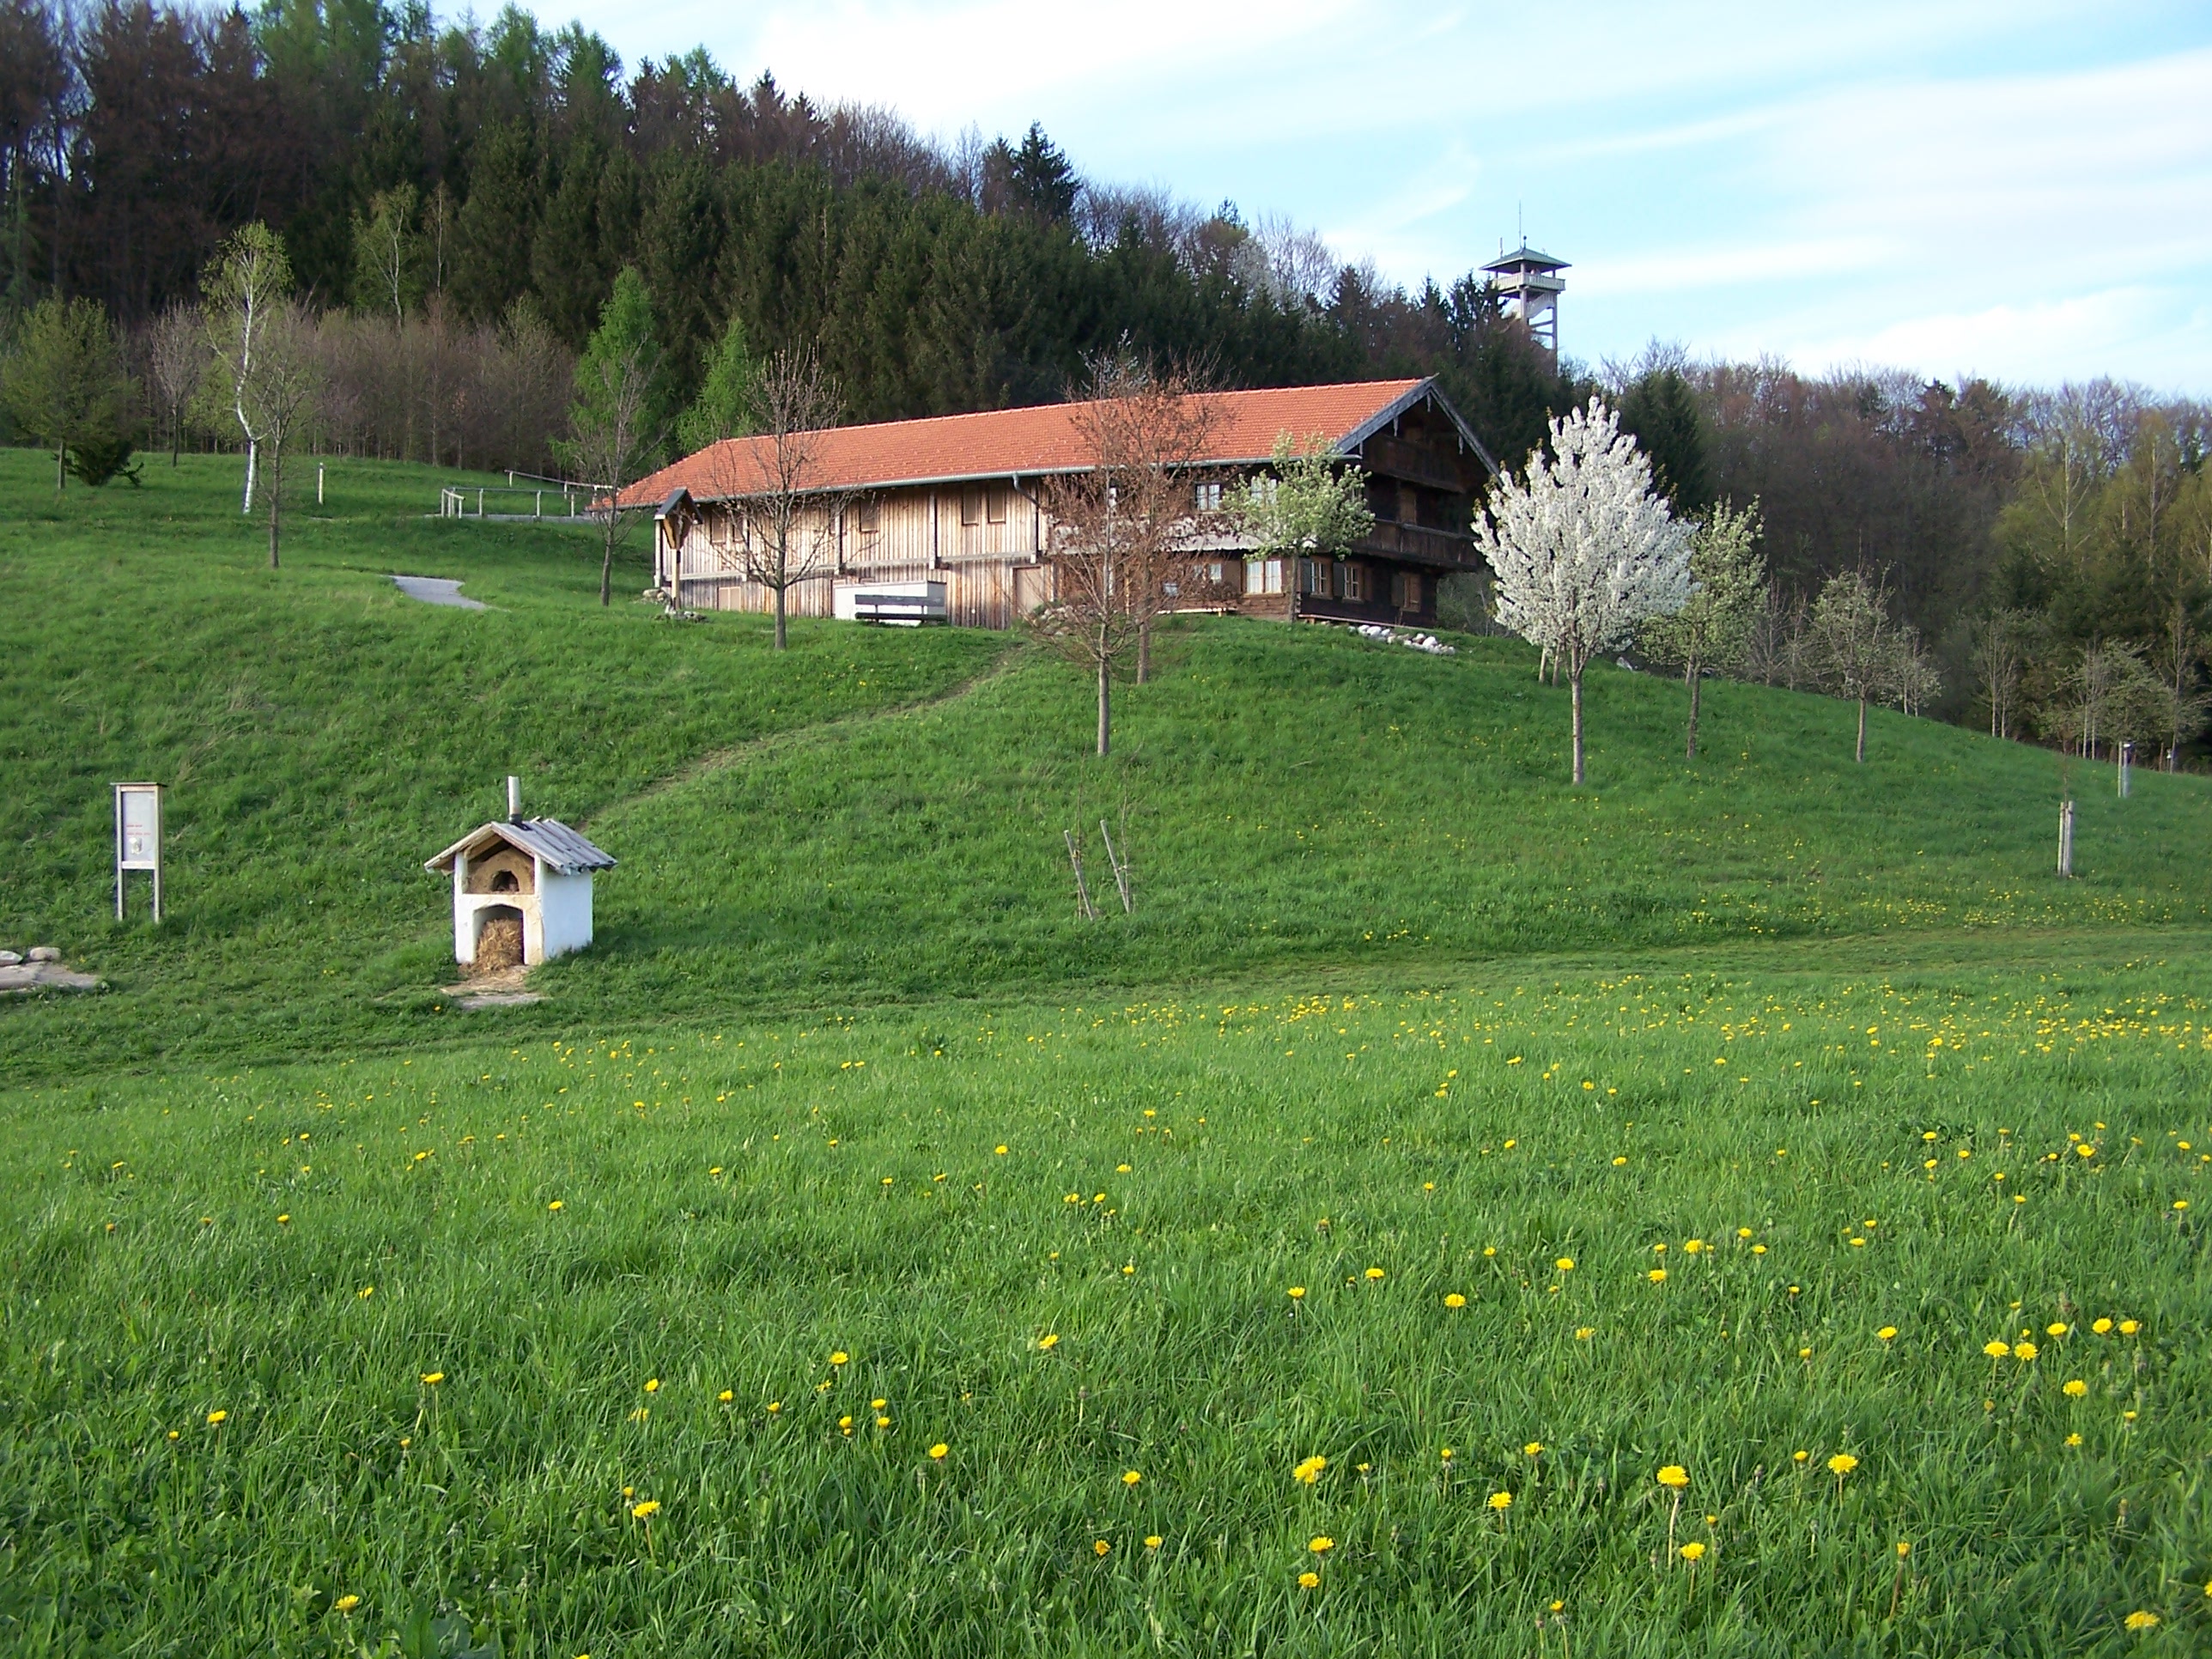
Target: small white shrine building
point(531, 877)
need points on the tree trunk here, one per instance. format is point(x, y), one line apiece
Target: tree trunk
point(1143, 650)
point(1861, 755)
point(61, 468)
point(1697, 686)
point(252, 456)
point(779, 592)
point(276, 501)
point(1105, 703)
point(607, 565)
point(1575, 678)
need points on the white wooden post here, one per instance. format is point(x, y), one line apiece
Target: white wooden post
point(2066, 839)
point(319, 483)
point(2127, 759)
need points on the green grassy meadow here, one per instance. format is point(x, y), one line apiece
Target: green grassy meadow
point(814, 1269)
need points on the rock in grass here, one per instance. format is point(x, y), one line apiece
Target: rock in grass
point(8, 958)
point(45, 953)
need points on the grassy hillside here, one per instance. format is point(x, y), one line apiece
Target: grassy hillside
point(1009, 1333)
point(1289, 799)
point(1326, 1258)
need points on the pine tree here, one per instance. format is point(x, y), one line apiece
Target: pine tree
point(65, 387)
point(617, 417)
point(725, 406)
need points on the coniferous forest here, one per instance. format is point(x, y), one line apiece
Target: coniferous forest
point(455, 201)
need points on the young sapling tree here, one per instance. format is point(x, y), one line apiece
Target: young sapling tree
point(1712, 629)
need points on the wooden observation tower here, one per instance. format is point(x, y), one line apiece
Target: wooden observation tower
point(1529, 283)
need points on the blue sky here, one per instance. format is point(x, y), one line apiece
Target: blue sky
point(2022, 191)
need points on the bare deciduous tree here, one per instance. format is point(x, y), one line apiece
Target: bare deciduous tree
point(1119, 527)
point(174, 348)
point(785, 518)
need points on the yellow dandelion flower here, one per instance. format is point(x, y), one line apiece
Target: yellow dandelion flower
point(1130, 1477)
point(2140, 1620)
point(2074, 1389)
point(936, 1453)
point(2073, 1439)
point(432, 1378)
point(554, 1205)
point(727, 1395)
point(1658, 1275)
point(346, 1603)
point(2057, 1327)
point(1693, 1246)
point(1310, 1470)
point(1888, 1332)
point(1800, 1457)
point(366, 1291)
point(1153, 1541)
point(2102, 1326)
point(1533, 1448)
point(653, 1385)
point(998, 1151)
point(1501, 1501)
point(1321, 1545)
point(1842, 1464)
point(1996, 1350)
point(1675, 1476)
point(1101, 1549)
point(840, 1358)
point(1309, 1580)
point(646, 1510)
point(1618, 1162)
point(1565, 1264)
point(216, 1419)
point(1374, 1273)
point(1904, 1549)
point(1692, 1551)
point(2129, 1328)
point(1298, 1292)
point(2024, 1351)
point(1455, 1300)
point(1583, 1334)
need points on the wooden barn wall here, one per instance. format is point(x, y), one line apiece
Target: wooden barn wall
point(988, 568)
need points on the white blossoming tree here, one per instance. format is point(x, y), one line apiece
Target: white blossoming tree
point(1583, 550)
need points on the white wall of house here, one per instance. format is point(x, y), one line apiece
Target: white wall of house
point(564, 911)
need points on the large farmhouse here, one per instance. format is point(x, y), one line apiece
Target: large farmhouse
point(955, 500)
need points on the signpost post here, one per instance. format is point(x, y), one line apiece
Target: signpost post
point(138, 838)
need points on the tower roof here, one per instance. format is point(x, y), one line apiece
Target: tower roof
point(1526, 258)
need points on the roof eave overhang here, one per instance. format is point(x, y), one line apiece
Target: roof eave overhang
point(486, 835)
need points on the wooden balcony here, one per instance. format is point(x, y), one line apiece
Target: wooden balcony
point(1416, 543)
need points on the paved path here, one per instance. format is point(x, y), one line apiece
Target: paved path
point(436, 590)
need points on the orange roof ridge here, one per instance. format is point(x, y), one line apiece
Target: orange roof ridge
point(1027, 440)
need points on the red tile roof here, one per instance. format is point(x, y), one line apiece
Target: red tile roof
point(1043, 439)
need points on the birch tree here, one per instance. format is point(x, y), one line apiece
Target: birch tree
point(1583, 549)
point(244, 285)
point(1713, 629)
